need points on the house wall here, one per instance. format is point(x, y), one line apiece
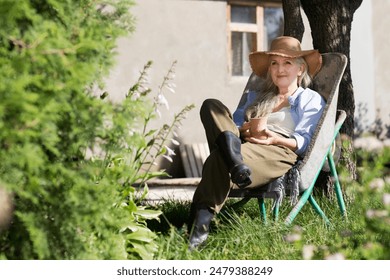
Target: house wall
point(362, 64)
point(381, 43)
point(192, 32)
point(189, 32)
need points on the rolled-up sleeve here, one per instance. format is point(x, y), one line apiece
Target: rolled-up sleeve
point(307, 111)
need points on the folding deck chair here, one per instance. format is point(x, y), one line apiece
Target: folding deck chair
point(319, 152)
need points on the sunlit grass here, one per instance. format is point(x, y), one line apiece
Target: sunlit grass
point(242, 235)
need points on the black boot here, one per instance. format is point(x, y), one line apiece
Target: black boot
point(230, 146)
point(200, 230)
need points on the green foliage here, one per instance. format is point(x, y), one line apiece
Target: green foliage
point(71, 159)
point(370, 193)
point(131, 165)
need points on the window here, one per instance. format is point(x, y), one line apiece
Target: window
point(251, 27)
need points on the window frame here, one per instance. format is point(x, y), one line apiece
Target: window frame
point(256, 28)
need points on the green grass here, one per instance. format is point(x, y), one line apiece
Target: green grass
point(241, 235)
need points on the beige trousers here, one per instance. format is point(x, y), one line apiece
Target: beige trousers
point(266, 162)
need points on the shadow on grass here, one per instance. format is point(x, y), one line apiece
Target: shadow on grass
point(176, 214)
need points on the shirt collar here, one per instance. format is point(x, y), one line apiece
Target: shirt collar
point(292, 99)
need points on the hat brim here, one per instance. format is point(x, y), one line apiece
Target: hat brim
point(259, 61)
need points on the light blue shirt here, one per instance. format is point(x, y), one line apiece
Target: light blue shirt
point(306, 110)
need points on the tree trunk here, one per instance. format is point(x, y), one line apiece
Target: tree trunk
point(293, 23)
point(330, 23)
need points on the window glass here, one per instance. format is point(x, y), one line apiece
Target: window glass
point(243, 43)
point(243, 14)
point(249, 33)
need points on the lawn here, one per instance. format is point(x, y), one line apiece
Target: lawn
point(241, 234)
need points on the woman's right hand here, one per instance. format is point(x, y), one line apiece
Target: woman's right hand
point(245, 130)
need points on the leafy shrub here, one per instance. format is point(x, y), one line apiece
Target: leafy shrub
point(131, 164)
point(366, 232)
point(373, 195)
point(69, 158)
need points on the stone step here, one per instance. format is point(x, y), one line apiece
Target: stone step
point(177, 189)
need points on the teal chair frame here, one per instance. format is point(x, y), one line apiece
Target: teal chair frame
point(320, 150)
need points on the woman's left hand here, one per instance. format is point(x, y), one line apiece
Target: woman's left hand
point(272, 138)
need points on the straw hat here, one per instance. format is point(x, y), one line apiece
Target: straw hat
point(287, 47)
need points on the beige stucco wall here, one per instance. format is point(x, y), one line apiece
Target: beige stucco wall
point(362, 63)
point(164, 34)
point(381, 42)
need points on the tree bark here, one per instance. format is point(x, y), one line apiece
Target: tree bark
point(330, 23)
point(293, 23)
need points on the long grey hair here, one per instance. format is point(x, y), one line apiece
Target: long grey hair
point(266, 99)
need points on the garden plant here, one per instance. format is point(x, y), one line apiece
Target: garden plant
point(70, 155)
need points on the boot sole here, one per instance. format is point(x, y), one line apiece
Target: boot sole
point(240, 175)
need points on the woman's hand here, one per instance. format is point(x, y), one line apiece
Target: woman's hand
point(272, 138)
point(244, 130)
point(247, 135)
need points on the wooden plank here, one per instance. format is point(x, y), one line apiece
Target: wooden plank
point(243, 27)
point(184, 156)
point(260, 28)
point(198, 159)
point(193, 157)
point(191, 161)
point(174, 182)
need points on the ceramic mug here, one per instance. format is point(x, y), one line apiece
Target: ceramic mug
point(257, 127)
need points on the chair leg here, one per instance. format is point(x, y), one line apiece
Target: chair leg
point(263, 212)
point(318, 209)
point(337, 186)
point(276, 213)
point(302, 201)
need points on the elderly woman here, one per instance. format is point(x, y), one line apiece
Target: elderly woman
point(244, 155)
